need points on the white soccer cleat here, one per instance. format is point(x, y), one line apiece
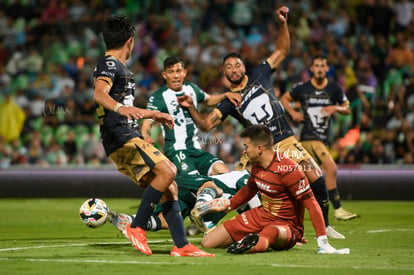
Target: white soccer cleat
point(333, 234)
point(216, 205)
point(325, 248)
point(342, 251)
point(120, 221)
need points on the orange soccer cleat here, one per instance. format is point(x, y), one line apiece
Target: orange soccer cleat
point(190, 250)
point(138, 238)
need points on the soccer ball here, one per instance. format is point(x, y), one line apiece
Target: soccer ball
point(93, 212)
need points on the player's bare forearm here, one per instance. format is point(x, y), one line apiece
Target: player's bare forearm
point(342, 109)
point(234, 98)
point(214, 99)
point(160, 117)
point(283, 39)
point(286, 101)
point(145, 130)
point(102, 97)
point(205, 122)
point(101, 94)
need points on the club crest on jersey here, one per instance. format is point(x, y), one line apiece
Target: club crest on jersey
point(184, 166)
point(302, 187)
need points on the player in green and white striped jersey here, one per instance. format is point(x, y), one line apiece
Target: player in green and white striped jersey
point(182, 144)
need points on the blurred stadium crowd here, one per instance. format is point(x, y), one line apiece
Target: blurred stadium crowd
point(48, 50)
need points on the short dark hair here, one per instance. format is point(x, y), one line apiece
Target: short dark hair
point(117, 30)
point(259, 134)
point(230, 55)
point(172, 60)
point(319, 56)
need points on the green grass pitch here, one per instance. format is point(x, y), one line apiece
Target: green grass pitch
point(46, 236)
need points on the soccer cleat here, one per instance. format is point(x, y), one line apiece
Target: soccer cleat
point(343, 215)
point(244, 244)
point(216, 205)
point(197, 220)
point(120, 221)
point(333, 234)
point(138, 238)
point(325, 248)
point(341, 251)
point(189, 250)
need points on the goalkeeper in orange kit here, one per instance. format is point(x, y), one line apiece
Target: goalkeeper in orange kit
point(285, 193)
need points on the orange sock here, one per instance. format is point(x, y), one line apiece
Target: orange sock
point(261, 246)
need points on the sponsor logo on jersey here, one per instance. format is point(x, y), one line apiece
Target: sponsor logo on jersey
point(320, 101)
point(265, 187)
point(250, 93)
point(110, 74)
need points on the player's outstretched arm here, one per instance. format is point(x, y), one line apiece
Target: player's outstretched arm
point(315, 214)
point(234, 98)
point(160, 117)
point(283, 39)
point(102, 97)
point(205, 121)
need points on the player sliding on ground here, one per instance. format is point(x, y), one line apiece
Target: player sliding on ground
point(284, 193)
point(229, 182)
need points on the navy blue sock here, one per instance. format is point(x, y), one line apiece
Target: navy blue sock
point(321, 195)
point(334, 198)
point(149, 200)
point(172, 214)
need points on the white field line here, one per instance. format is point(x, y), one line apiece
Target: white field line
point(137, 262)
point(339, 267)
point(55, 246)
point(82, 244)
point(174, 263)
point(390, 230)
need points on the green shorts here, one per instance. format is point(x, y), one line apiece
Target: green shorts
point(188, 186)
point(196, 161)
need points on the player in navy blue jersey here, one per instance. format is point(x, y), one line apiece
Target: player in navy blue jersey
point(145, 165)
point(260, 106)
point(320, 98)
